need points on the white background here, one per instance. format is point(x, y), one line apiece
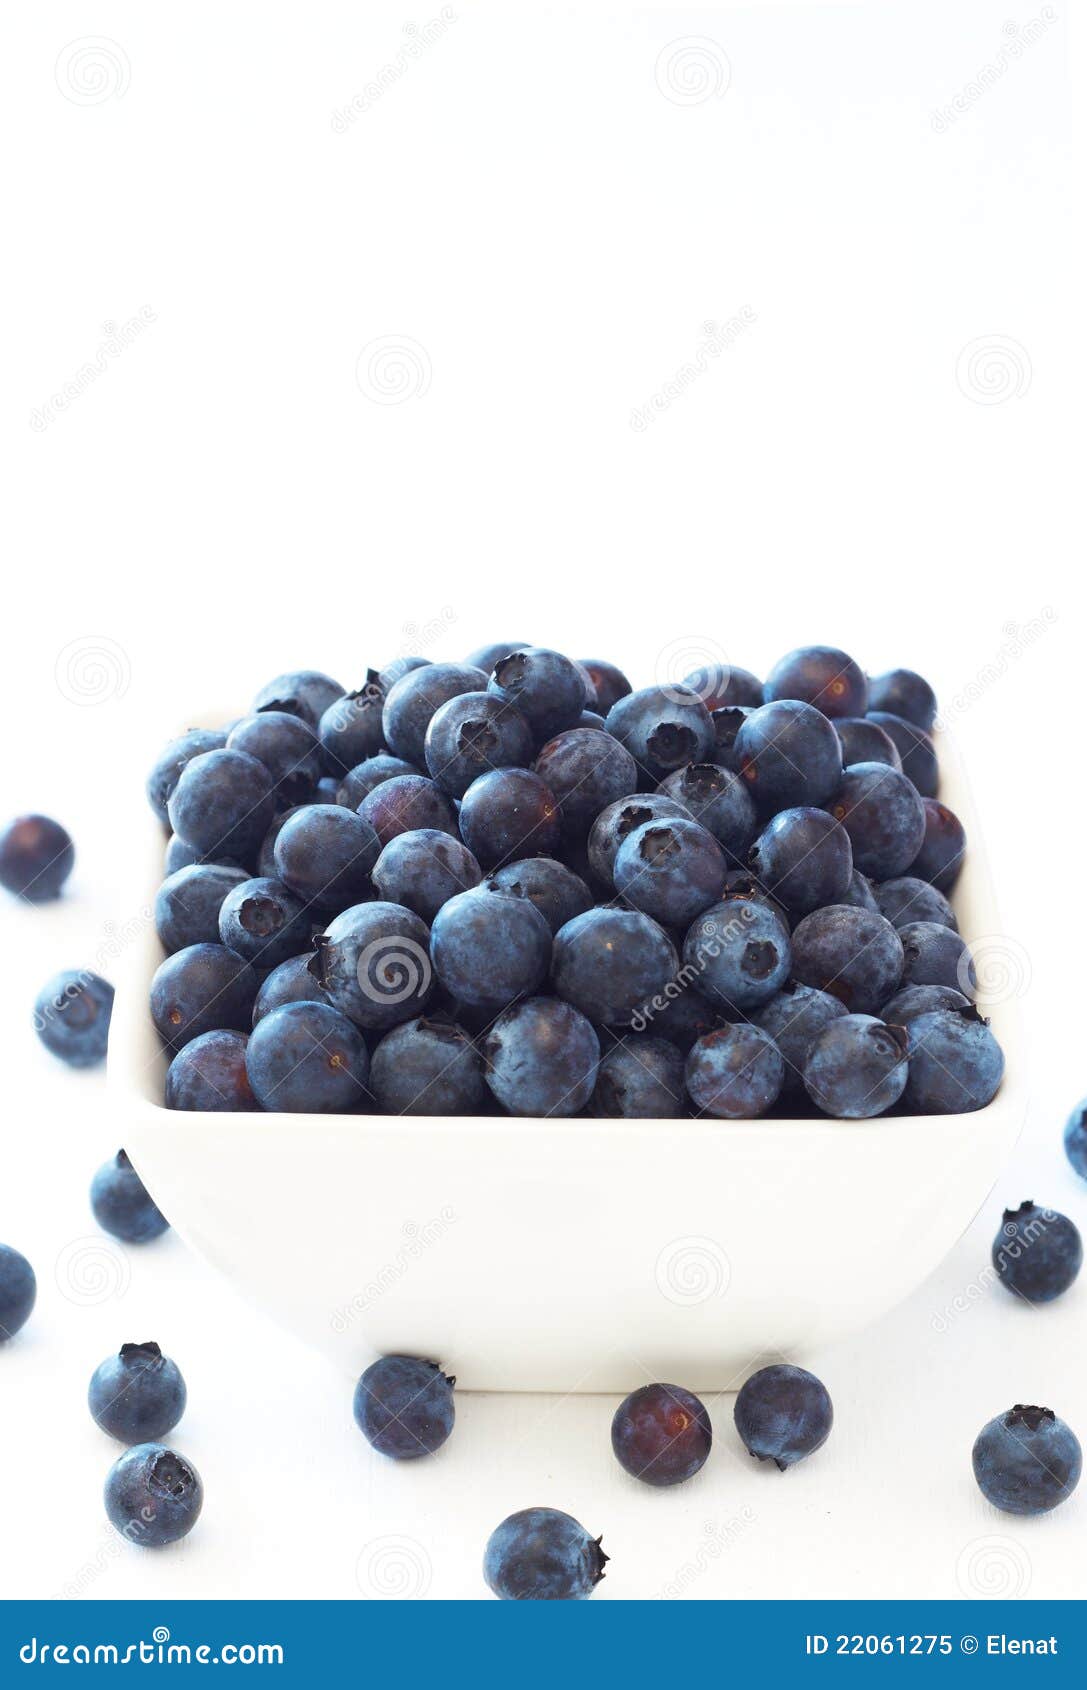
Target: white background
point(542, 219)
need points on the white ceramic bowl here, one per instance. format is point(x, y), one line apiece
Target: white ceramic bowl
point(569, 1255)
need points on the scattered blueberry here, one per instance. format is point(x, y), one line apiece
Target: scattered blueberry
point(719, 685)
point(362, 779)
point(153, 1495)
point(72, 1015)
point(486, 656)
point(783, 1414)
point(1027, 1460)
point(427, 1067)
point(404, 1407)
point(291, 982)
point(609, 683)
point(856, 1068)
point(18, 1291)
point(307, 1058)
point(861, 893)
point(541, 1058)
point(1075, 1139)
point(1037, 1252)
point(36, 857)
point(727, 722)
point(735, 1073)
point(864, 741)
point(542, 1555)
point(210, 1074)
point(661, 1434)
point(137, 1395)
point(911, 1001)
point(122, 1205)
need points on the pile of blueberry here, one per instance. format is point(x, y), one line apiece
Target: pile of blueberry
point(515, 885)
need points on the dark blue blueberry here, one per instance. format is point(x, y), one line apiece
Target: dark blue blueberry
point(178, 855)
point(489, 950)
point(288, 748)
point(427, 1067)
point(735, 1073)
point(883, 816)
point(1075, 1138)
point(210, 1074)
point(661, 1434)
point(610, 963)
point(918, 754)
point(864, 741)
point(613, 825)
point(557, 892)
point(486, 656)
point(912, 1001)
point(727, 722)
point(404, 1407)
point(324, 854)
point(591, 719)
point(327, 790)
point(860, 893)
point(663, 728)
point(266, 857)
point(856, 1068)
point(586, 769)
point(541, 1058)
point(719, 799)
point(404, 805)
point(167, 770)
point(609, 684)
point(350, 730)
point(307, 1059)
point(223, 804)
point(123, 1206)
point(904, 693)
point(507, 814)
point(361, 781)
point(908, 899)
point(935, 956)
point(820, 675)
point(794, 1020)
point(679, 1014)
point(188, 902)
point(423, 870)
point(36, 857)
point(943, 848)
point(472, 734)
point(542, 1555)
point(72, 1015)
point(671, 870)
point(741, 883)
point(137, 1395)
point(783, 1414)
point(373, 962)
point(412, 700)
point(401, 666)
point(852, 953)
point(720, 685)
point(789, 755)
point(302, 692)
point(263, 922)
point(640, 1079)
point(804, 859)
point(738, 953)
point(199, 989)
point(291, 982)
point(153, 1495)
point(18, 1291)
point(1027, 1460)
point(956, 1064)
point(1037, 1253)
point(547, 688)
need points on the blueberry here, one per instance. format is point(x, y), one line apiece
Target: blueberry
point(188, 902)
point(860, 893)
point(404, 1407)
point(1037, 1253)
point(489, 950)
point(288, 748)
point(350, 730)
point(663, 728)
point(413, 699)
point(325, 855)
point(265, 867)
point(864, 741)
point(557, 892)
point(904, 694)
point(472, 734)
point(640, 1079)
point(911, 1001)
point(942, 850)
point(720, 685)
point(302, 692)
point(263, 922)
point(404, 805)
point(613, 825)
point(956, 1064)
point(541, 1058)
point(794, 1020)
point(307, 1059)
point(72, 1015)
point(856, 1068)
point(680, 1015)
point(1075, 1139)
point(820, 675)
point(18, 1291)
point(486, 656)
point(783, 1414)
point(741, 883)
point(935, 956)
point(852, 953)
point(1027, 1460)
point(735, 1073)
point(883, 816)
point(167, 770)
point(122, 1205)
point(610, 963)
point(918, 754)
point(365, 776)
point(671, 870)
point(609, 683)
point(373, 962)
point(199, 989)
point(153, 1495)
point(804, 859)
point(727, 722)
point(210, 1074)
point(908, 899)
point(507, 814)
point(542, 1555)
point(591, 719)
point(291, 982)
point(137, 1395)
point(401, 666)
point(423, 870)
point(547, 688)
point(789, 755)
point(427, 1067)
point(178, 855)
point(223, 804)
point(36, 857)
point(719, 799)
point(327, 790)
point(661, 1434)
point(738, 952)
point(587, 769)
